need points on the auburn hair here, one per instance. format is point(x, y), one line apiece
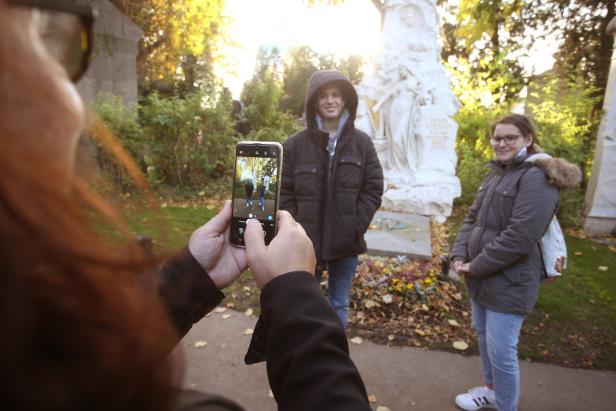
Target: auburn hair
point(82, 327)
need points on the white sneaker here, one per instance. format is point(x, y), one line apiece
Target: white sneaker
point(476, 398)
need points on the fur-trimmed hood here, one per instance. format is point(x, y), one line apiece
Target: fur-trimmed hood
point(561, 173)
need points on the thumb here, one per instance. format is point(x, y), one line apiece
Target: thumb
point(254, 239)
point(220, 221)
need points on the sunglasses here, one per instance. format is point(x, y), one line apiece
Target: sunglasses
point(65, 27)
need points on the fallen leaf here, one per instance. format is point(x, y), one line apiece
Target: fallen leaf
point(230, 305)
point(220, 310)
point(460, 345)
point(246, 289)
point(382, 408)
point(200, 344)
point(357, 340)
point(372, 398)
point(453, 323)
point(270, 394)
point(388, 298)
point(248, 312)
point(225, 316)
point(248, 331)
point(420, 332)
point(602, 268)
point(391, 337)
point(425, 307)
point(578, 253)
point(371, 304)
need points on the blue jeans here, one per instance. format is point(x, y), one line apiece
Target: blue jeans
point(339, 279)
point(497, 334)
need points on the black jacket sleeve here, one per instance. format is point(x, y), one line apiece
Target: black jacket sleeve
point(287, 191)
point(187, 291)
point(307, 354)
point(371, 190)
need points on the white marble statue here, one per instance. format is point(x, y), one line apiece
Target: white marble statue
point(407, 106)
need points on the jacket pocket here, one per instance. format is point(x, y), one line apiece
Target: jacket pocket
point(505, 200)
point(348, 172)
point(307, 179)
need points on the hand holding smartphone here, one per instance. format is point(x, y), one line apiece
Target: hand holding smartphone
point(256, 188)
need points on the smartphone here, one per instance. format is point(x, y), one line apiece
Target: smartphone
point(256, 188)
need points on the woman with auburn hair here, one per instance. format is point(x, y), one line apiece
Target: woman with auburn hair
point(88, 324)
point(498, 252)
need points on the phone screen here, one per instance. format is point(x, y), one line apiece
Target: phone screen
point(256, 188)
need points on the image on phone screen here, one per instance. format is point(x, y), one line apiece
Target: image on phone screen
point(255, 188)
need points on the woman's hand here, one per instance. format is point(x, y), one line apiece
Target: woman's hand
point(210, 246)
point(464, 269)
point(291, 250)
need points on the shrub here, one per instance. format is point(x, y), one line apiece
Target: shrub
point(122, 121)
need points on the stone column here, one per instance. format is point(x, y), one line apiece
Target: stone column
point(601, 193)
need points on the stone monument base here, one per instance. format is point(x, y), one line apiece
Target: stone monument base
point(596, 225)
point(394, 234)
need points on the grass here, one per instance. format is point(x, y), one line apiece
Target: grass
point(576, 314)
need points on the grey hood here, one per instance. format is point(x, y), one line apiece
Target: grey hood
point(322, 78)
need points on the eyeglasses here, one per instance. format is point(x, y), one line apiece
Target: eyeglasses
point(65, 27)
point(509, 139)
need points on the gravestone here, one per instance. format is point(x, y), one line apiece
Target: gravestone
point(114, 61)
point(113, 70)
point(601, 192)
point(407, 107)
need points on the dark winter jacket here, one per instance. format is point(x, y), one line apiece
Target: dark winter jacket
point(335, 212)
point(500, 235)
point(310, 371)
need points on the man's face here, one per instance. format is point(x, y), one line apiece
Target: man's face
point(330, 102)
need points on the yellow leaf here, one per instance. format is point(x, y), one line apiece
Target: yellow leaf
point(460, 345)
point(453, 323)
point(220, 310)
point(357, 340)
point(270, 394)
point(200, 344)
point(248, 312)
point(578, 253)
point(391, 337)
point(372, 398)
point(225, 316)
point(230, 305)
point(248, 331)
point(382, 408)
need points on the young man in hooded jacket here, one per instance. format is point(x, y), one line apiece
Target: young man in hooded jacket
point(332, 182)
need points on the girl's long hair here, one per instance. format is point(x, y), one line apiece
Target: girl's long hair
point(82, 327)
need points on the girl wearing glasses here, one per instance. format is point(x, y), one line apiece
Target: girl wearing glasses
point(87, 323)
point(497, 251)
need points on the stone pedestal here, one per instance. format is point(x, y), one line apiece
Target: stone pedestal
point(601, 193)
point(398, 234)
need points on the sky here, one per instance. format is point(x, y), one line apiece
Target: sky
point(350, 28)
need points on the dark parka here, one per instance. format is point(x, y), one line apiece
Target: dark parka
point(500, 236)
point(335, 215)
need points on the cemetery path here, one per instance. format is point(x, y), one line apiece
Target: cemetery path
point(399, 378)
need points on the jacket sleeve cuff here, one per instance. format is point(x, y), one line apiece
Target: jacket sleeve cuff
point(187, 290)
